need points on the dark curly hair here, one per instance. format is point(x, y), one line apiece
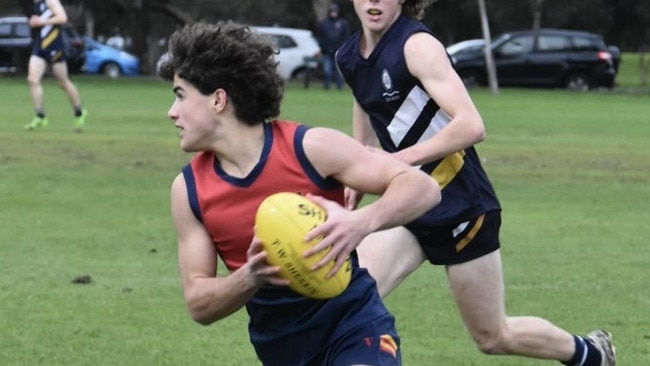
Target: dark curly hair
point(230, 56)
point(415, 8)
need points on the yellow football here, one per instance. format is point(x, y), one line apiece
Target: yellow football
point(282, 221)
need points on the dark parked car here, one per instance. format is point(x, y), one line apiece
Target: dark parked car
point(16, 45)
point(544, 58)
point(466, 46)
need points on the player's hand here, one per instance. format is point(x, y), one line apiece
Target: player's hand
point(35, 21)
point(262, 273)
point(341, 233)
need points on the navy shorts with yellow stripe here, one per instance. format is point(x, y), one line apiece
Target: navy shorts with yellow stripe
point(460, 242)
point(50, 51)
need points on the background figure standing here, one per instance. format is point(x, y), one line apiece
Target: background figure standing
point(332, 32)
point(46, 19)
point(116, 40)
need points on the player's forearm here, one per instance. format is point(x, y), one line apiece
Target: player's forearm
point(56, 20)
point(211, 299)
point(36, 21)
point(460, 134)
point(361, 129)
point(409, 195)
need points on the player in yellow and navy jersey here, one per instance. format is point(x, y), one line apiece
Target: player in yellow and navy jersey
point(48, 49)
point(409, 100)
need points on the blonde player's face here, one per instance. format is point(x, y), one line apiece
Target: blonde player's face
point(377, 16)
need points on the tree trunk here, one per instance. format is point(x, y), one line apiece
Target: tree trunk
point(536, 7)
point(487, 50)
point(320, 8)
point(89, 22)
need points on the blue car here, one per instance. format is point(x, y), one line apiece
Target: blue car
point(109, 61)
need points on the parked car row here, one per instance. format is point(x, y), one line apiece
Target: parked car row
point(571, 59)
point(535, 58)
point(82, 53)
point(298, 51)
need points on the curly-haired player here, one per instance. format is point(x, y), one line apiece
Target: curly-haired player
point(228, 95)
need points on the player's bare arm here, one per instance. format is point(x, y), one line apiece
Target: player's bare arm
point(209, 298)
point(404, 192)
point(427, 60)
point(362, 131)
point(59, 15)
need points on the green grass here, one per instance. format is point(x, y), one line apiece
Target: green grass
point(572, 171)
point(634, 71)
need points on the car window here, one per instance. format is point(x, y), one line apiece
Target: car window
point(585, 44)
point(516, 46)
point(5, 30)
point(470, 49)
point(23, 30)
point(282, 41)
point(548, 43)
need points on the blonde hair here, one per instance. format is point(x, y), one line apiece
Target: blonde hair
point(415, 8)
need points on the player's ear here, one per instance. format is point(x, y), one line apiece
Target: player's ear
point(220, 97)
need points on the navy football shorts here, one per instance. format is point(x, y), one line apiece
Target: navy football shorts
point(460, 242)
point(52, 53)
point(375, 343)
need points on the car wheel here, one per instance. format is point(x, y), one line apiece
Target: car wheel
point(577, 82)
point(111, 69)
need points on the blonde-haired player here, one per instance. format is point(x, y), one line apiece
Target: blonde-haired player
point(408, 98)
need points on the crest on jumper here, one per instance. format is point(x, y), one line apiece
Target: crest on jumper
point(390, 94)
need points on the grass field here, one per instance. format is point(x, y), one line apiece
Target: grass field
point(634, 72)
point(572, 171)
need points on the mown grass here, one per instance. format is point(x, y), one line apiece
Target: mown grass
point(572, 171)
point(634, 72)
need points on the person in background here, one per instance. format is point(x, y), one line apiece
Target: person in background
point(228, 95)
point(116, 40)
point(332, 32)
point(48, 48)
point(409, 99)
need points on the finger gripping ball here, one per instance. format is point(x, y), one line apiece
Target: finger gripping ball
point(281, 223)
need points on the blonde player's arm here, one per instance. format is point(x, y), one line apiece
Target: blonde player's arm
point(58, 16)
point(361, 128)
point(427, 60)
point(362, 131)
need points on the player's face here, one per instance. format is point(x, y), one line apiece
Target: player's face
point(376, 16)
point(193, 114)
